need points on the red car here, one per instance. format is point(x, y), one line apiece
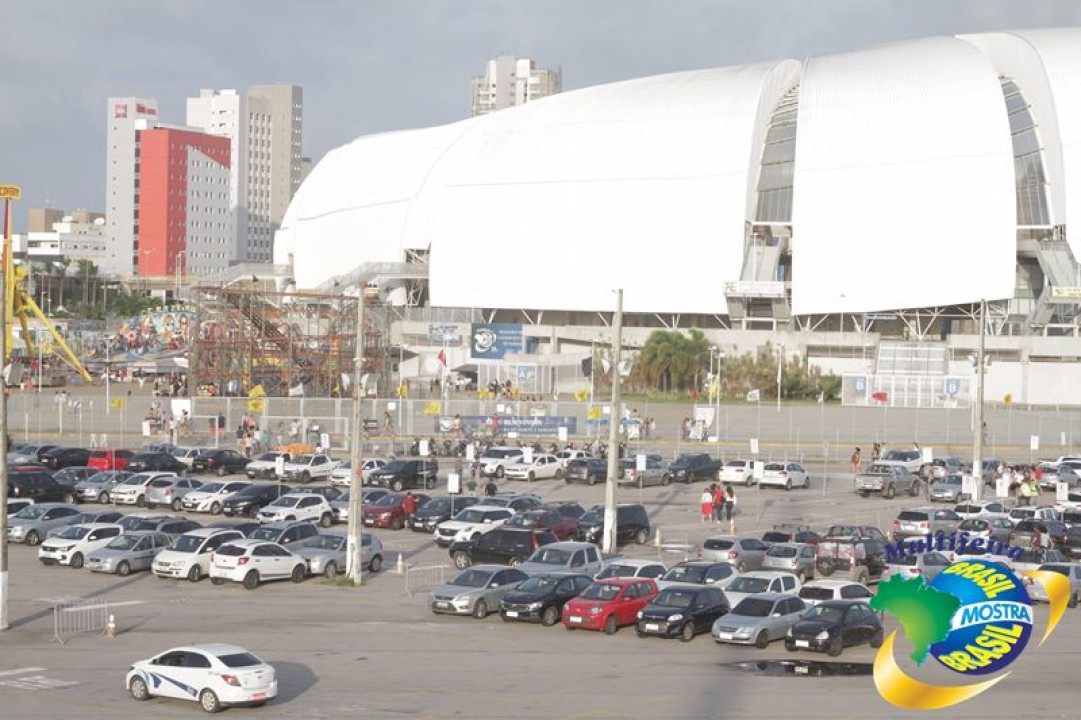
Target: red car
point(387, 511)
point(609, 604)
point(563, 527)
point(109, 459)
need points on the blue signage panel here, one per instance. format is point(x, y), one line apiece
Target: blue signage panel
point(492, 341)
point(546, 425)
point(952, 386)
point(860, 384)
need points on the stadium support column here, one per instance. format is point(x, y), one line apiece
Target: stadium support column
point(9, 193)
point(354, 562)
point(609, 543)
point(977, 431)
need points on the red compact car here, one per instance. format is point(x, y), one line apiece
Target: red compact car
point(389, 512)
point(609, 604)
point(563, 527)
point(107, 459)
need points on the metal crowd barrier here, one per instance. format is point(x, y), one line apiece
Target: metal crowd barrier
point(423, 578)
point(80, 617)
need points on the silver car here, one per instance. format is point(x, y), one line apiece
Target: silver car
point(796, 558)
point(743, 551)
point(945, 489)
point(927, 565)
point(129, 552)
point(476, 591)
point(1071, 571)
point(33, 523)
point(99, 487)
point(759, 619)
point(168, 491)
point(761, 581)
point(328, 554)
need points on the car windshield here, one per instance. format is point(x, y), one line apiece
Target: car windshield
point(748, 585)
point(778, 551)
point(753, 607)
point(600, 591)
point(212, 487)
point(674, 598)
point(470, 516)
point(238, 660)
point(135, 480)
point(973, 524)
point(910, 515)
point(285, 501)
point(718, 544)
point(736, 464)
point(186, 544)
point(124, 542)
point(472, 579)
point(497, 454)
point(592, 516)
point(303, 460)
point(617, 570)
point(437, 505)
point(232, 550)
point(524, 521)
point(686, 573)
point(949, 480)
point(387, 501)
point(825, 613)
point(161, 482)
point(539, 583)
point(30, 512)
point(269, 456)
point(74, 533)
point(773, 467)
point(327, 542)
point(906, 560)
point(815, 593)
point(551, 556)
point(901, 455)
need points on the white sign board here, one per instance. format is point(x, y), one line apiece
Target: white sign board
point(279, 466)
point(928, 454)
point(470, 453)
point(392, 406)
point(500, 408)
point(970, 487)
point(324, 441)
point(1062, 492)
point(454, 484)
point(639, 462)
point(758, 469)
point(1002, 488)
point(527, 455)
point(146, 428)
point(606, 410)
point(562, 433)
point(512, 435)
point(754, 446)
point(422, 448)
point(1034, 442)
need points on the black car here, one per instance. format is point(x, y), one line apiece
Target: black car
point(790, 533)
point(73, 475)
point(221, 461)
point(171, 524)
point(39, 486)
point(155, 461)
point(541, 598)
point(62, 457)
point(567, 508)
point(586, 470)
point(502, 546)
point(244, 528)
point(252, 499)
point(404, 474)
point(832, 625)
point(632, 524)
point(695, 466)
point(682, 612)
point(102, 516)
point(438, 509)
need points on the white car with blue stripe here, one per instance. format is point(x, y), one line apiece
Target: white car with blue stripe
point(216, 676)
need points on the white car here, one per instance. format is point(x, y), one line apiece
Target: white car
point(784, 474)
point(188, 556)
point(210, 496)
point(186, 455)
point(266, 465)
point(17, 504)
point(761, 581)
point(631, 567)
point(214, 675)
point(133, 490)
point(306, 468)
point(250, 562)
point(494, 461)
point(816, 591)
point(737, 472)
point(341, 476)
point(471, 523)
point(565, 456)
point(982, 510)
point(311, 507)
point(71, 545)
point(541, 467)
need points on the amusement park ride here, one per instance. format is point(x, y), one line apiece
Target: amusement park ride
point(18, 303)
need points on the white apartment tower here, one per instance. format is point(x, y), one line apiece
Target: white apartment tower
point(511, 81)
point(126, 116)
point(265, 129)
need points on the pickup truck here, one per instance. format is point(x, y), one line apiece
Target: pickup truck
point(694, 466)
point(265, 465)
point(887, 479)
point(305, 468)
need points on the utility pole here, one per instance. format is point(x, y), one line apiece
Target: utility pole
point(9, 193)
point(977, 442)
point(609, 544)
point(355, 561)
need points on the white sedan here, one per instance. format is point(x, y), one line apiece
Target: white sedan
point(299, 506)
point(250, 562)
point(209, 497)
point(784, 474)
point(540, 467)
point(341, 476)
point(214, 675)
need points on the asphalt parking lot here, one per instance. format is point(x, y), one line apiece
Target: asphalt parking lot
point(375, 652)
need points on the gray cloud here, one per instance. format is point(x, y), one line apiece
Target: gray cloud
point(374, 65)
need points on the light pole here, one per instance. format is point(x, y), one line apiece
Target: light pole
point(609, 544)
point(977, 442)
point(717, 392)
point(109, 371)
point(780, 375)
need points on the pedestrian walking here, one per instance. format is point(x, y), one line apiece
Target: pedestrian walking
point(730, 500)
point(705, 503)
point(856, 462)
point(718, 503)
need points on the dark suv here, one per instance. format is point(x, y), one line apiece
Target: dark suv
point(503, 546)
point(39, 486)
point(851, 558)
point(632, 524)
point(438, 509)
point(404, 474)
point(586, 470)
point(220, 461)
point(252, 499)
point(62, 457)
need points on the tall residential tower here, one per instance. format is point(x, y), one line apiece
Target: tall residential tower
point(511, 81)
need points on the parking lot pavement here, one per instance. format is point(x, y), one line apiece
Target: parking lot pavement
point(373, 652)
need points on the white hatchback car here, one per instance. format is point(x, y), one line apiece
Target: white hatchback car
point(209, 497)
point(214, 675)
point(470, 523)
point(188, 556)
point(737, 472)
point(816, 591)
point(784, 474)
point(71, 545)
point(133, 490)
point(251, 562)
point(299, 507)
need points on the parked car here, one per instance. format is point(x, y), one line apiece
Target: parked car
point(541, 598)
point(39, 486)
point(833, 625)
point(96, 516)
point(925, 564)
point(655, 472)
point(475, 591)
point(983, 509)
point(742, 551)
point(945, 489)
point(566, 508)
point(796, 558)
point(128, 552)
point(299, 506)
point(266, 465)
point(404, 474)
point(169, 491)
point(340, 505)
point(327, 554)
point(330, 492)
point(888, 479)
point(72, 544)
point(1029, 533)
point(542, 466)
point(389, 510)
point(31, 524)
point(990, 528)
point(494, 460)
point(503, 546)
point(632, 567)
point(816, 591)
point(588, 470)
point(244, 527)
point(564, 528)
point(1071, 571)
point(698, 572)
point(438, 509)
point(248, 501)
point(518, 502)
point(252, 562)
point(695, 466)
point(1051, 474)
point(292, 535)
point(219, 461)
point(851, 558)
point(155, 462)
point(1028, 512)
point(212, 495)
point(99, 486)
point(133, 490)
point(28, 454)
point(343, 477)
point(214, 675)
point(785, 533)
point(861, 532)
point(761, 581)
point(910, 460)
point(682, 611)
point(567, 454)
point(172, 525)
point(759, 619)
point(632, 524)
point(568, 555)
point(62, 457)
point(918, 522)
point(308, 468)
point(186, 455)
point(786, 475)
point(14, 505)
point(72, 475)
point(609, 604)
point(471, 523)
point(188, 555)
point(738, 472)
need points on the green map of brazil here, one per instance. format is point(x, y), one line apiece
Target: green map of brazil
point(924, 613)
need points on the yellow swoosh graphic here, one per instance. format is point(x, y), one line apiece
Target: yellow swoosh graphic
point(1058, 594)
point(907, 692)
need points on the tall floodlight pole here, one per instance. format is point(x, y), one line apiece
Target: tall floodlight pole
point(780, 376)
point(609, 543)
point(9, 193)
point(355, 561)
point(717, 393)
point(977, 441)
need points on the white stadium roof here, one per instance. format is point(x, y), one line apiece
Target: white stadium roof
point(904, 191)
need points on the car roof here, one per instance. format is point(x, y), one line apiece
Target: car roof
point(796, 545)
point(634, 562)
point(702, 563)
point(284, 525)
point(482, 506)
point(216, 649)
point(766, 574)
point(209, 531)
point(623, 581)
point(568, 545)
point(95, 525)
point(249, 542)
point(842, 603)
point(771, 596)
point(835, 584)
point(487, 568)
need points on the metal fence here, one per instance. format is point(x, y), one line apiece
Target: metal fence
point(79, 617)
point(424, 578)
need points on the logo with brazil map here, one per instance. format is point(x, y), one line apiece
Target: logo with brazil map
point(975, 618)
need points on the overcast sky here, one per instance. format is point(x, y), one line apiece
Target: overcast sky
point(374, 65)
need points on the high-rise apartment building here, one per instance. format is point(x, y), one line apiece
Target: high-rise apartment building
point(511, 81)
point(42, 219)
point(127, 116)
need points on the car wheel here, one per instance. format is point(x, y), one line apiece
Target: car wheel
point(397, 486)
point(559, 474)
point(69, 498)
point(876, 639)
point(195, 574)
point(251, 580)
point(687, 634)
point(864, 493)
point(299, 573)
point(77, 562)
point(914, 489)
point(140, 501)
point(253, 511)
point(592, 479)
point(789, 645)
point(176, 505)
point(514, 561)
point(480, 610)
point(331, 570)
point(123, 569)
point(376, 564)
point(610, 625)
point(638, 632)
point(761, 641)
point(550, 616)
point(215, 508)
point(138, 689)
point(1071, 603)
point(209, 701)
point(666, 479)
point(32, 538)
point(825, 567)
point(788, 484)
point(396, 524)
point(327, 520)
point(889, 492)
point(103, 498)
point(221, 471)
point(641, 537)
point(461, 560)
point(217, 581)
point(834, 648)
point(741, 567)
point(531, 476)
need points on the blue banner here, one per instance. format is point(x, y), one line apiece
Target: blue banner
point(492, 341)
point(541, 425)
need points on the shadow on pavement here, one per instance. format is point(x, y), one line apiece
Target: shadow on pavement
point(48, 612)
point(294, 679)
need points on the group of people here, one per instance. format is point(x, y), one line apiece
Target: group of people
point(717, 501)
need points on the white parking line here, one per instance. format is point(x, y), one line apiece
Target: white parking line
point(32, 682)
point(20, 671)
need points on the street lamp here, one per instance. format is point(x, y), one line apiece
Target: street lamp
point(716, 383)
point(780, 375)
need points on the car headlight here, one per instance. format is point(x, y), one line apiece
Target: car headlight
point(536, 605)
point(675, 618)
point(594, 610)
point(64, 548)
point(17, 530)
point(461, 601)
point(824, 635)
point(639, 614)
point(789, 633)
